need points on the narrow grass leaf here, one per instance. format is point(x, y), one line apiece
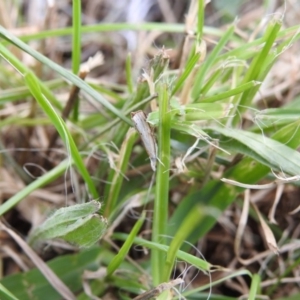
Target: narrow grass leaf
point(216, 282)
point(23, 69)
point(160, 215)
point(210, 59)
point(63, 72)
point(128, 70)
point(220, 195)
point(181, 255)
point(187, 71)
point(255, 287)
point(76, 46)
point(38, 183)
point(62, 129)
point(211, 81)
point(255, 69)
point(273, 153)
point(200, 19)
point(15, 94)
point(189, 224)
point(76, 36)
point(235, 91)
point(5, 294)
point(116, 262)
point(118, 174)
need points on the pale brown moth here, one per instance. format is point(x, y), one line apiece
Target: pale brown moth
point(146, 133)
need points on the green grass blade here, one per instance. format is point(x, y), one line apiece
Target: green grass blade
point(76, 36)
point(128, 70)
point(210, 59)
point(200, 19)
point(216, 282)
point(189, 224)
point(63, 72)
point(5, 294)
point(38, 183)
point(118, 174)
point(18, 65)
point(263, 149)
point(238, 90)
point(76, 47)
point(255, 68)
point(160, 215)
point(181, 255)
point(117, 260)
point(220, 195)
point(211, 81)
point(62, 129)
point(187, 71)
point(255, 287)
point(15, 94)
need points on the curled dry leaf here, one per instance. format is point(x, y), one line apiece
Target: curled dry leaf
point(269, 236)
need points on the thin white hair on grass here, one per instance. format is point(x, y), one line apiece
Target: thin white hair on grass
point(137, 170)
point(71, 172)
point(92, 153)
point(110, 158)
point(184, 273)
point(96, 179)
point(237, 112)
point(280, 14)
point(207, 139)
point(173, 283)
point(292, 135)
point(258, 117)
point(136, 215)
point(255, 119)
point(154, 292)
point(170, 77)
point(127, 206)
point(68, 149)
point(33, 165)
point(69, 169)
point(290, 44)
point(179, 162)
point(189, 151)
point(136, 201)
point(181, 109)
point(232, 61)
point(149, 190)
point(285, 179)
point(67, 153)
point(228, 109)
point(180, 166)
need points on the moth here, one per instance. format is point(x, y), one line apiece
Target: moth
point(146, 133)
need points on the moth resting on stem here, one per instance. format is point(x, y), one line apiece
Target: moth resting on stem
point(146, 133)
